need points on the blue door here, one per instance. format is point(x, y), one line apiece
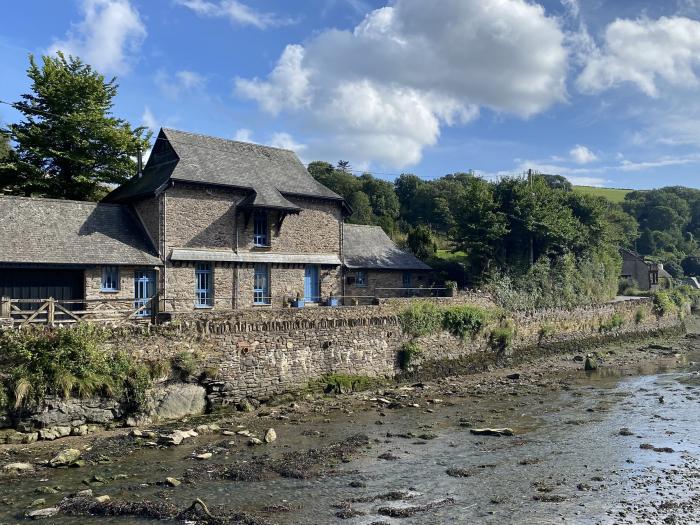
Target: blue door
point(311, 284)
point(144, 289)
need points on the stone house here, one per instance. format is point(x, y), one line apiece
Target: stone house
point(375, 266)
point(209, 224)
point(646, 275)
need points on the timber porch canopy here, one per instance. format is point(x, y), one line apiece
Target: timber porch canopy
point(46, 245)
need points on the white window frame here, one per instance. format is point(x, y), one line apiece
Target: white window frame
point(261, 295)
point(110, 279)
point(361, 278)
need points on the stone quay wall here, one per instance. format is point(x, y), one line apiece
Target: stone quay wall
point(257, 354)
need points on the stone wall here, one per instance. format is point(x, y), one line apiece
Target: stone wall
point(259, 353)
point(150, 212)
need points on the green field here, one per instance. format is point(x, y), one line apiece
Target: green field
point(612, 194)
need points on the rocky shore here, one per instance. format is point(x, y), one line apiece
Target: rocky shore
point(312, 436)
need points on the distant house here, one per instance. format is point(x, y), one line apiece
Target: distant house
point(646, 275)
point(209, 224)
point(375, 266)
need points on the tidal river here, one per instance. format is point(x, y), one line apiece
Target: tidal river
point(618, 445)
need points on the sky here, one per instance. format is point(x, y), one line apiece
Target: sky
point(604, 92)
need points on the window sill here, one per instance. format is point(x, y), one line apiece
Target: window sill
point(262, 247)
point(203, 306)
point(102, 290)
point(360, 285)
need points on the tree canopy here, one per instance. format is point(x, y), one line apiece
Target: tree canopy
point(68, 144)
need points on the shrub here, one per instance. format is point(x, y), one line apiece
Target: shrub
point(421, 318)
point(408, 352)
point(465, 321)
point(185, 363)
point(639, 316)
point(546, 330)
point(64, 362)
point(615, 321)
point(501, 338)
point(664, 303)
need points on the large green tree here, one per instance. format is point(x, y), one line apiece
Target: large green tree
point(68, 144)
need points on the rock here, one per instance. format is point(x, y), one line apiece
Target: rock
point(176, 437)
point(591, 363)
point(245, 433)
point(37, 502)
point(172, 482)
point(255, 441)
point(80, 430)
point(513, 376)
point(45, 489)
point(270, 435)
point(87, 493)
point(65, 457)
point(176, 401)
point(205, 455)
point(43, 513)
point(18, 467)
point(626, 432)
point(102, 499)
point(136, 433)
point(492, 431)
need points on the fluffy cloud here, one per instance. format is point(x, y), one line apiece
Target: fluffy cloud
point(383, 91)
point(108, 37)
point(181, 82)
point(243, 135)
point(237, 12)
point(285, 141)
point(149, 120)
point(643, 52)
point(582, 155)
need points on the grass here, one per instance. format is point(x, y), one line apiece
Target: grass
point(612, 194)
point(449, 256)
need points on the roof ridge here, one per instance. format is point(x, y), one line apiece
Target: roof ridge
point(50, 199)
point(233, 141)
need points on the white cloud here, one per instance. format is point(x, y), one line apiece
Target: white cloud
point(383, 91)
point(108, 38)
point(644, 52)
point(237, 12)
point(181, 82)
point(285, 141)
point(149, 120)
point(582, 155)
point(287, 85)
point(243, 135)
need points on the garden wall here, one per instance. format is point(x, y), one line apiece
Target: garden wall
point(256, 354)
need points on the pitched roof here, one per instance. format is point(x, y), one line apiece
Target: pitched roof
point(269, 172)
point(50, 231)
point(369, 247)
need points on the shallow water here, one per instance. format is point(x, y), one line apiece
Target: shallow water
point(567, 445)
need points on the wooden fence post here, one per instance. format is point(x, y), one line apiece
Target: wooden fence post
point(51, 311)
point(5, 307)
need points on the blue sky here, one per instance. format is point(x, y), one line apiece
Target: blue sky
point(604, 92)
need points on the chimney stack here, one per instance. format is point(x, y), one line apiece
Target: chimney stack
point(139, 163)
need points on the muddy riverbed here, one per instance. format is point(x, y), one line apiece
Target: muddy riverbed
point(616, 445)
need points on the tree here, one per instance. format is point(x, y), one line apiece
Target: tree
point(420, 242)
point(344, 165)
point(361, 209)
point(68, 144)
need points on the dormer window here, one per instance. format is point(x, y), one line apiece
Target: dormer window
point(261, 229)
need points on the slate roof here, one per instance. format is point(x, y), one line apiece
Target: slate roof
point(270, 173)
point(368, 247)
point(50, 231)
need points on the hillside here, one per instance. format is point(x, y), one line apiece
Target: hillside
point(612, 194)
